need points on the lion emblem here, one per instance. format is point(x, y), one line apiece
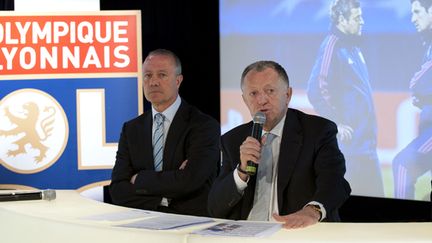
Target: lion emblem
point(26, 128)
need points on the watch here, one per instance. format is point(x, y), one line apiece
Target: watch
point(317, 209)
point(241, 170)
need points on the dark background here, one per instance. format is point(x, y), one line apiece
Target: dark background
point(191, 30)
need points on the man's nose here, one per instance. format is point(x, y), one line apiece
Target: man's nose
point(262, 98)
point(154, 81)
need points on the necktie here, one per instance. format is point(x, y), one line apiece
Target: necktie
point(261, 204)
point(158, 141)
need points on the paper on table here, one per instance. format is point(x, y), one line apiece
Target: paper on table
point(241, 229)
point(167, 221)
point(122, 215)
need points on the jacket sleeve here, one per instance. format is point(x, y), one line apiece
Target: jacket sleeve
point(200, 146)
point(322, 81)
point(121, 190)
point(224, 196)
point(332, 188)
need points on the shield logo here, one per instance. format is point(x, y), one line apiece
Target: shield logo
point(33, 131)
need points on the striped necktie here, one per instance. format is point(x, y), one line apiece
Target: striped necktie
point(158, 141)
point(261, 205)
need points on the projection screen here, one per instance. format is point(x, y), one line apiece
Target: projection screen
point(295, 33)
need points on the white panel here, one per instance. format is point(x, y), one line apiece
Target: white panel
point(95, 193)
point(93, 152)
point(56, 5)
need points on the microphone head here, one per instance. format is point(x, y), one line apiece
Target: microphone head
point(48, 194)
point(259, 118)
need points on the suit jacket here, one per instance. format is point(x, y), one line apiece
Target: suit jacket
point(310, 168)
point(193, 136)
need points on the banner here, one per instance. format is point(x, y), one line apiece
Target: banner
point(67, 83)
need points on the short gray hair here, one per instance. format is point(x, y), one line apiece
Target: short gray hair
point(165, 52)
point(261, 65)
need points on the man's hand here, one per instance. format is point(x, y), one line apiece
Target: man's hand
point(344, 132)
point(416, 102)
point(305, 217)
point(183, 165)
point(132, 180)
point(250, 150)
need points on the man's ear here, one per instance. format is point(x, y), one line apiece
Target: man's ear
point(289, 95)
point(179, 80)
point(341, 19)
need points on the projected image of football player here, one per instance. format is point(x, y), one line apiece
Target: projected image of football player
point(339, 89)
point(415, 159)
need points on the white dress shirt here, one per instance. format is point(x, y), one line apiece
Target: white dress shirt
point(241, 185)
point(169, 114)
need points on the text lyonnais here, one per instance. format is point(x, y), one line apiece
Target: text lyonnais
point(67, 44)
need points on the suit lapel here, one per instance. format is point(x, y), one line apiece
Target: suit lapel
point(146, 143)
point(178, 126)
point(290, 147)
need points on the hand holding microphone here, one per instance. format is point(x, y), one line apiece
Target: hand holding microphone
point(258, 122)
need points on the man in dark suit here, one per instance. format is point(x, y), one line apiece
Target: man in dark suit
point(168, 157)
point(306, 181)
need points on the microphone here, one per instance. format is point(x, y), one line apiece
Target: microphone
point(258, 122)
point(31, 195)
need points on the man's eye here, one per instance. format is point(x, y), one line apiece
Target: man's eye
point(270, 91)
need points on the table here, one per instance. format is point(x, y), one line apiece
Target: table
point(61, 220)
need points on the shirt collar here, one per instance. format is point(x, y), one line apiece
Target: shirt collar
point(169, 112)
point(278, 129)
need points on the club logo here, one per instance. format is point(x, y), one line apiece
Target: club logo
point(33, 131)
